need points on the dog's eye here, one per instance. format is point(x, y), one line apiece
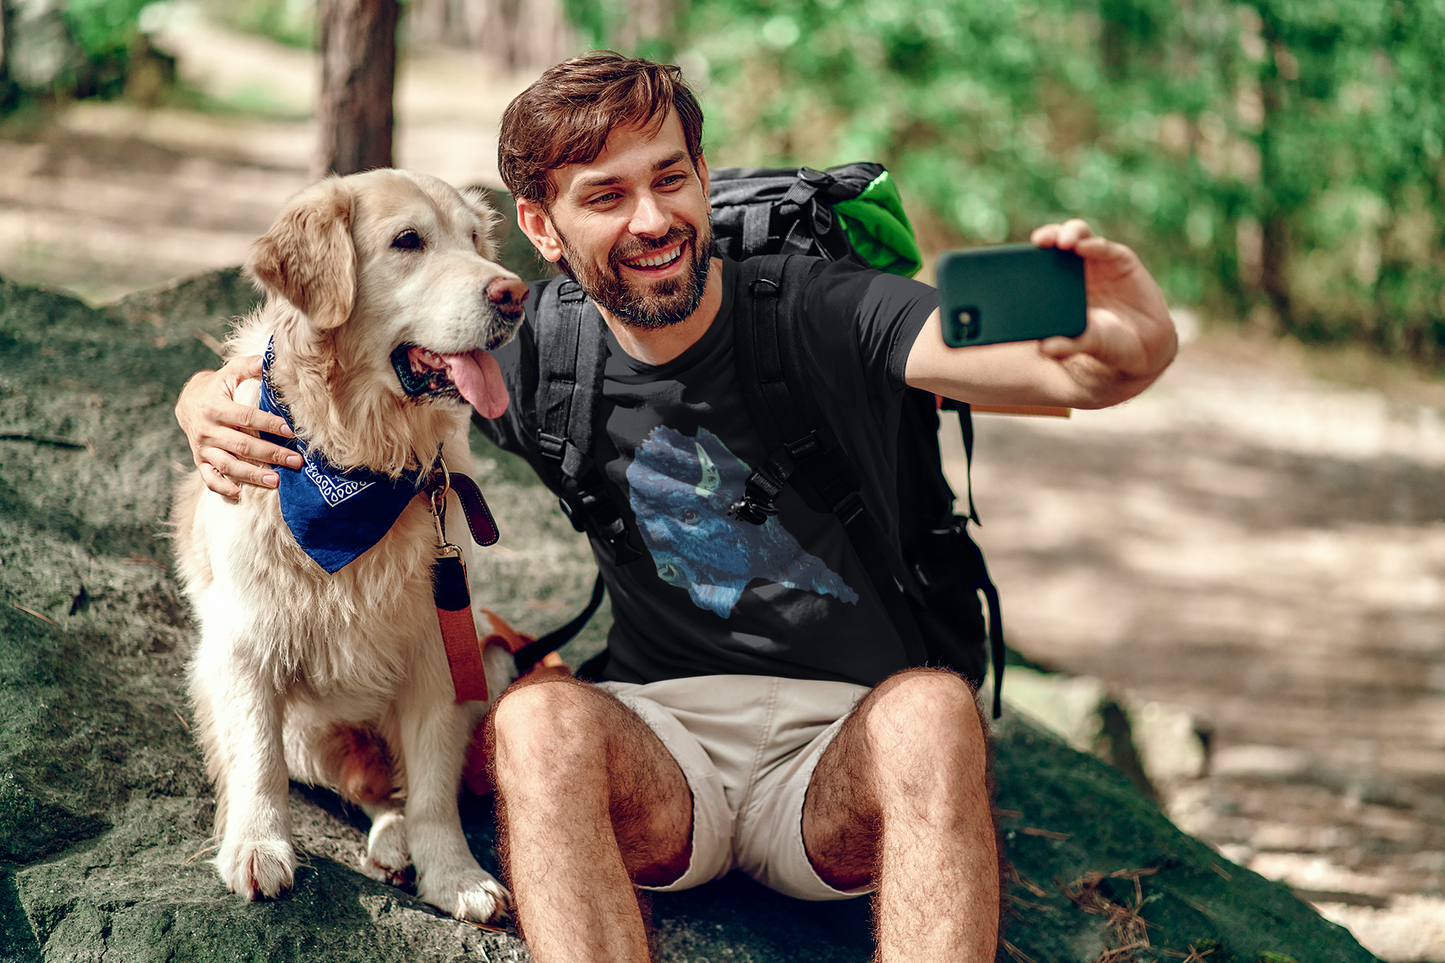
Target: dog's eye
point(408, 240)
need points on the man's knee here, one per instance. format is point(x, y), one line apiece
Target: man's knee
point(555, 715)
point(926, 713)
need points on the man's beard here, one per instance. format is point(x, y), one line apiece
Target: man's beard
point(661, 305)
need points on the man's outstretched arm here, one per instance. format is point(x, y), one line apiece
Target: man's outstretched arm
point(1128, 342)
point(222, 432)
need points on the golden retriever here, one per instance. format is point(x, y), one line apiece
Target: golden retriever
point(383, 301)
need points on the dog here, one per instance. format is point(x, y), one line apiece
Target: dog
point(383, 299)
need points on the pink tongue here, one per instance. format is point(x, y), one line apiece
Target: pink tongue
point(479, 378)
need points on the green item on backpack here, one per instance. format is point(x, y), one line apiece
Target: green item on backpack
point(878, 227)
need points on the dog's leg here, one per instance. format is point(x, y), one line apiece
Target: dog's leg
point(254, 819)
point(434, 738)
point(387, 857)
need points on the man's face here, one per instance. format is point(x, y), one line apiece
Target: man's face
point(632, 226)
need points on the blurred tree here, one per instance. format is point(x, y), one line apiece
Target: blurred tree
point(522, 35)
point(357, 40)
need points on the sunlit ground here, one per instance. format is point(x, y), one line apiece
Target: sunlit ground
point(1249, 543)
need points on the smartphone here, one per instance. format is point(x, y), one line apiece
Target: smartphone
point(1014, 292)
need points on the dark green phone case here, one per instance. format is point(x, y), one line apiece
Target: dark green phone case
point(1014, 292)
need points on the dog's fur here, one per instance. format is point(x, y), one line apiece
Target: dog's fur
point(342, 680)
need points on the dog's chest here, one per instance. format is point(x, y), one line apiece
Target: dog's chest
point(366, 627)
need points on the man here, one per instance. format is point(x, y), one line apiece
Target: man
point(767, 720)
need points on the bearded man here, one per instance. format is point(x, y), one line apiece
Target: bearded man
point(775, 727)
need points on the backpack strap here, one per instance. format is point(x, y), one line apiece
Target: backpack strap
point(785, 412)
point(572, 354)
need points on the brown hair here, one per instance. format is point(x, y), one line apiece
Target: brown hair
point(565, 116)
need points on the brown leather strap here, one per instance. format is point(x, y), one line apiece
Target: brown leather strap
point(474, 506)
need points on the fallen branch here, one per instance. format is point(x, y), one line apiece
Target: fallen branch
point(41, 439)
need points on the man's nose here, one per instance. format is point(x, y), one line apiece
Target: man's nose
point(648, 218)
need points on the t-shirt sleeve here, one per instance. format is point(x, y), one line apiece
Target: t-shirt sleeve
point(886, 313)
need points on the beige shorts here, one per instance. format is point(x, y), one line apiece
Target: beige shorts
point(748, 746)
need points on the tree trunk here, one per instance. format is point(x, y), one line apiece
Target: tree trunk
point(358, 78)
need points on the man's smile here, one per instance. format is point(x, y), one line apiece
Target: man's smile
point(656, 260)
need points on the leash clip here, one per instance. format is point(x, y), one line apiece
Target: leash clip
point(437, 494)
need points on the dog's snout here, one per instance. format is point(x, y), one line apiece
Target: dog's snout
point(507, 294)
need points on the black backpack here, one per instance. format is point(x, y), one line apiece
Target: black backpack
point(773, 222)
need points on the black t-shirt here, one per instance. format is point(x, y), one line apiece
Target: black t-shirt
point(713, 594)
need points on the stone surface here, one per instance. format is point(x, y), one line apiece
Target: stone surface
point(105, 812)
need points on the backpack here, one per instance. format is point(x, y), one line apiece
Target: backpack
point(773, 221)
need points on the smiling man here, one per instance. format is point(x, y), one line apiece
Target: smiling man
point(759, 713)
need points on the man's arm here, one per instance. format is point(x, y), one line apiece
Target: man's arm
point(221, 432)
point(1128, 342)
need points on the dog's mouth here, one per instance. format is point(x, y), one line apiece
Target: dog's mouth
point(473, 376)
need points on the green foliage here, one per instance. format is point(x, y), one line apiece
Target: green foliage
point(1280, 159)
point(104, 29)
point(289, 22)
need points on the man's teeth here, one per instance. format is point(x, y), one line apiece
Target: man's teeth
point(658, 260)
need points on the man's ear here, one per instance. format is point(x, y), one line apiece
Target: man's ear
point(537, 225)
point(307, 257)
point(701, 166)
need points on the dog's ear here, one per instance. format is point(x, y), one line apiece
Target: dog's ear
point(308, 256)
point(479, 200)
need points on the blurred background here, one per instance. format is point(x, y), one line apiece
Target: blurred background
point(1233, 587)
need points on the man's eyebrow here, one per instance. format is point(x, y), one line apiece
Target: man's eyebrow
point(606, 180)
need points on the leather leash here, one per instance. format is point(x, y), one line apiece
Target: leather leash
point(449, 580)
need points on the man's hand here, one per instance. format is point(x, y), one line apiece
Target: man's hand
point(222, 432)
point(1129, 339)
point(1127, 343)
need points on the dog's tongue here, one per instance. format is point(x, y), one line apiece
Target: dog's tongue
point(479, 379)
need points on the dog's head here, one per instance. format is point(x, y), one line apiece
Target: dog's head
point(394, 271)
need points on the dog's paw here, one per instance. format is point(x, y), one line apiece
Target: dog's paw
point(387, 857)
point(471, 895)
point(257, 868)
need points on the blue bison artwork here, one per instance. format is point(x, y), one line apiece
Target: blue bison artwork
point(681, 488)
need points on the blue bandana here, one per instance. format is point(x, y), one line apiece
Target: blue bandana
point(334, 515)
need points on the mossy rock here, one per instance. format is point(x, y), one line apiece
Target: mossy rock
point(105, 813)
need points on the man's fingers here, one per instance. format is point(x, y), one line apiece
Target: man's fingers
point(218, 483)
point(234, 471)
point(231, 442)
point(1067, 235)
point(220, 411)
point(237, 370)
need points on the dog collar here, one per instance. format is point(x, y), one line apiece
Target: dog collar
point(335, 516)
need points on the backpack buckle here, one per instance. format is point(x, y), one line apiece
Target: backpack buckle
point(772, 291)
point(751, 510)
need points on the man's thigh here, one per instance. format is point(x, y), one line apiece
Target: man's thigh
point(909, 716)
point(558, 735)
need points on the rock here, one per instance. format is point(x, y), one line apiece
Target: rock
point(105, 814)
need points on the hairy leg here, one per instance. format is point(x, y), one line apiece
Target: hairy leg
point(902, 797)
point(589, 802)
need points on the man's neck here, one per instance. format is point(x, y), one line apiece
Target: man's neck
point(661, 345)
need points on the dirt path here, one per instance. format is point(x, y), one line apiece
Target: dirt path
point(1263, 550)
point(1267, 552)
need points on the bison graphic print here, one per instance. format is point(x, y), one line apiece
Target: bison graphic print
point(680, 490)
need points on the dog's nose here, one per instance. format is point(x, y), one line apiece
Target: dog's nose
point(506, 292)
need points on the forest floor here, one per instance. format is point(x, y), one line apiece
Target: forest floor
point(1258, 541)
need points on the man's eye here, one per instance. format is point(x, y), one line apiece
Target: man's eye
point(602, 200)
point(408, 240)
point(673, 180)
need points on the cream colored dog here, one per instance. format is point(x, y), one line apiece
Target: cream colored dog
point(383, 303)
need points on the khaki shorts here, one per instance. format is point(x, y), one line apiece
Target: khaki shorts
point(748, 746)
